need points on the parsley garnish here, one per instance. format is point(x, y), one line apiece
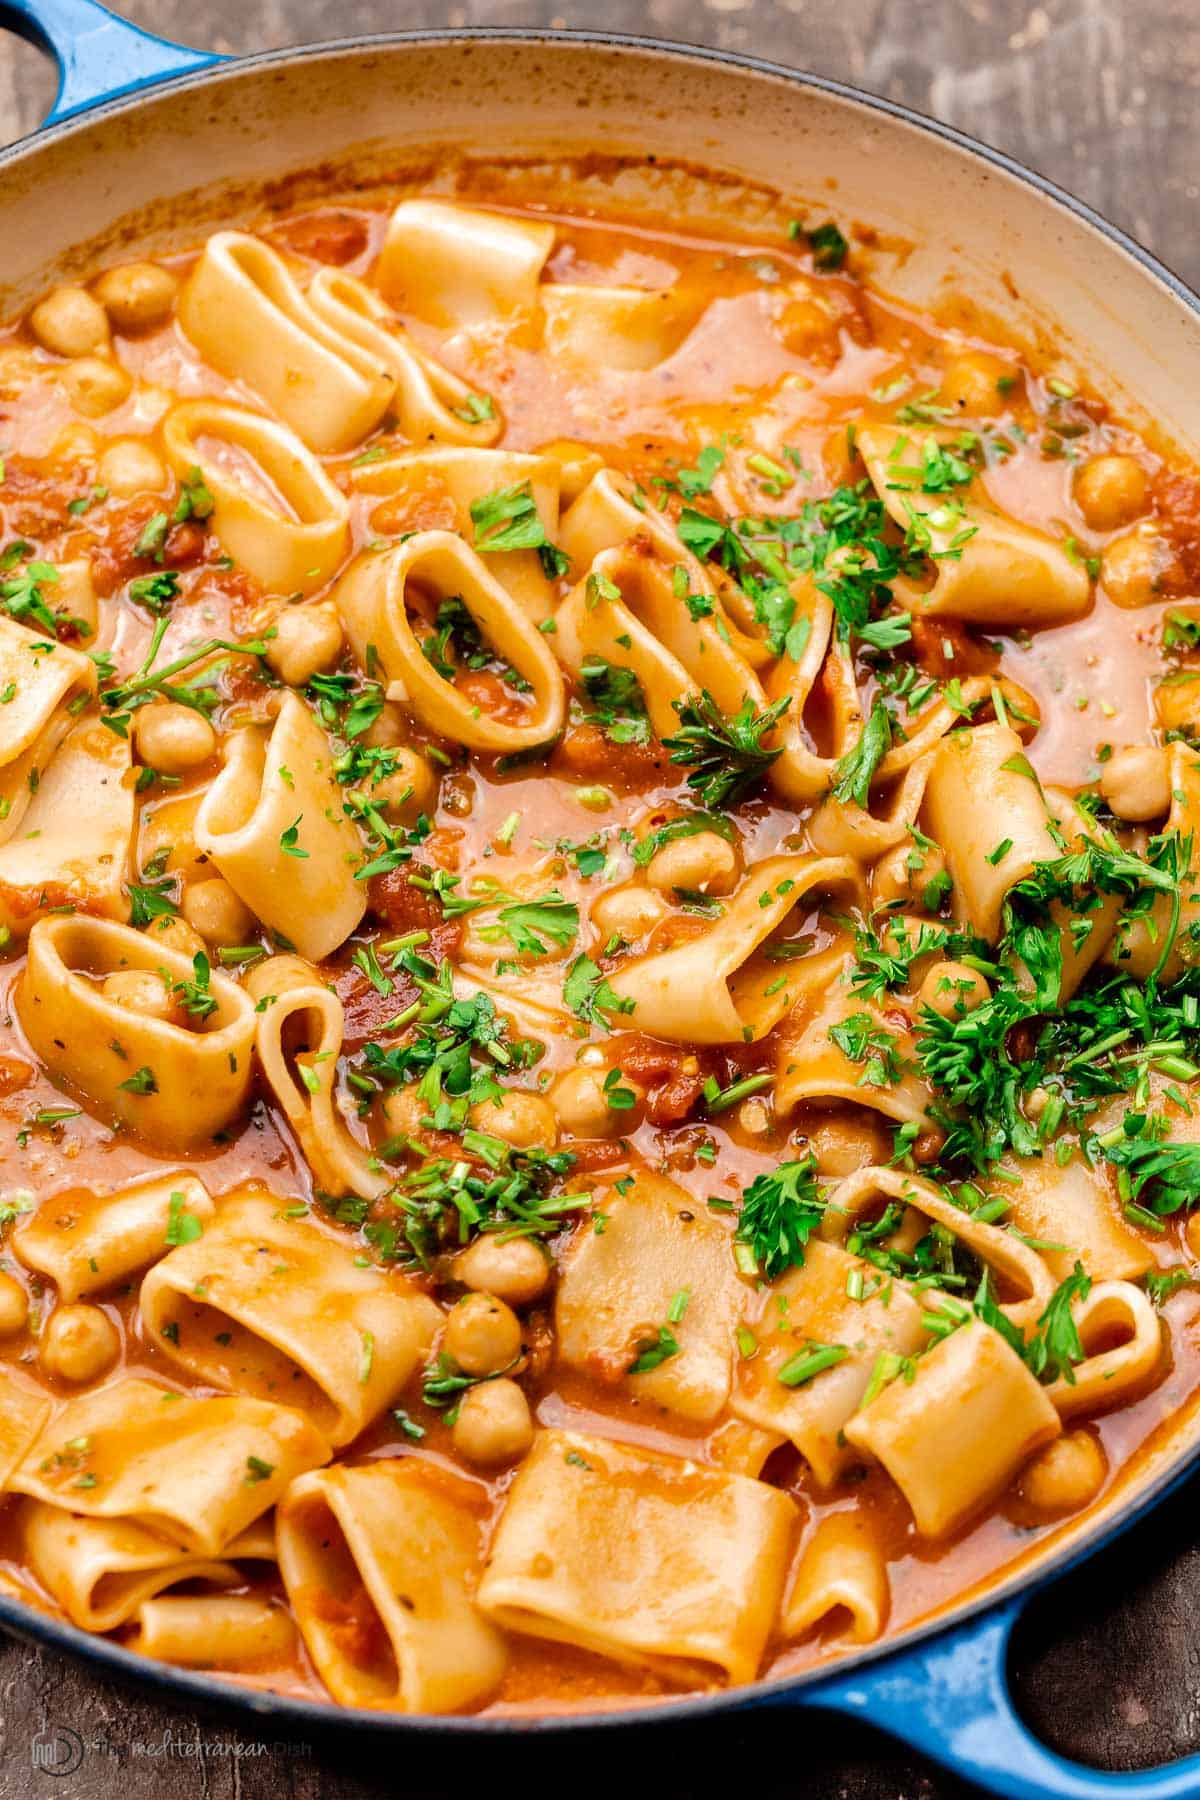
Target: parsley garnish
point(508, 519)
point(727, 756)
point(855, 772)
point(779, 1214)
point(587, 992)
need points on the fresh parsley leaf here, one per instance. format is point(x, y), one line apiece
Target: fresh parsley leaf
point(779, 1213)
point(508, 519)
point(854, 773)
point(588, 993)
point(727, 756)
point(618, 701)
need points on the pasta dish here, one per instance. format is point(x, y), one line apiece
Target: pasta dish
point(600, 953)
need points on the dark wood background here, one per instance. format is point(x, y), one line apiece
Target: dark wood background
point(1102, 95)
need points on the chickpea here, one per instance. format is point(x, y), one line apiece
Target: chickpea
point(1066, 1474)
point(137, 295)
point(176, 934)
point(214, 910)
point(1136, 782)
point(706, 864)
point(142, 991)
point(754, 1116)
point(579, 1099)
point(95, 387)
point(131, 466)
point(403, 1109)
point(512, 1269)
point(493, 1424)
point(903, 874)
point(1110, 491)
point(14, 1306)
point(69, 322)
point(307, 639)
point(482, 1334)
point(172, 739)
point(410, 790)
point(280, 975)
point(628, 912)
point(387, 729)
point(76, 443)
point(843, 1143)
point(952, 989)
point(1131, 568)
point(79, 1344)
point(524, 1120)
point(973, 382)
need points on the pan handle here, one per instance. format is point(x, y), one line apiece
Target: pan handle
point(98, 54)
point(949, 1698)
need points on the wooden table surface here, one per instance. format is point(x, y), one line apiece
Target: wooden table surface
point(1102, 96)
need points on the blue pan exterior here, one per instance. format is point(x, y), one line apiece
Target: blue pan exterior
point(943, 1689)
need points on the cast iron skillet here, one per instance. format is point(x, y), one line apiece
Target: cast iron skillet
point(942, 1688)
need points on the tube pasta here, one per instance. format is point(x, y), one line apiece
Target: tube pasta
point(641, 1557)
point(842, 828)
point(799, 774)
point(842, 1569)
point(274, 824)
point(275, 511)
point(980, 796)
point(211, 1631)
point(440, 486)
point(300, 1028)
point(48, 683)
point(610, 512)
point(73, 846)
point(650, 631)
point(622, 328)
point(741, 1448)
point(303, 1322)
point(1150, 946)
point(812, 1065)
point(371, 600)
point(618, 1285)
point(954, 1434)
point(430, 401)
point(173, 1086)
point(24, 1410)
point(991, 569)
point(811, 1304)
point(1108, 1377)
point(1071, 1209)
point(393, 1545)
point(1019, 1268)
point(723, 988)
point(101, 1570)
point(87, 1242)
point(245, 312)
point(196, 1472)
point(457, 266)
